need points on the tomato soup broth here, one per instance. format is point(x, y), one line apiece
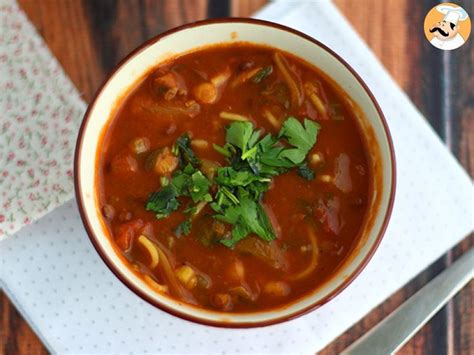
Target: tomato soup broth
point(235, 178)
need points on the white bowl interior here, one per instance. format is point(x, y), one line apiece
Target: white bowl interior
point(204, 35)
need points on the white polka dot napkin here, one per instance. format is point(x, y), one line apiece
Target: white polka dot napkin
point(40, 114)
point(57, 281)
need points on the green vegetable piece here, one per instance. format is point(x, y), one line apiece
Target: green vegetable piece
point(222, 150)
point(199, 189)
point(239, 232)
point(273, 157)
point(262, 74)
point(229, 195)
point(164, 181)
point(182, 143)
point(249, 154)
point(163, 202)
point(184, 228)
point(175, 150)
point(301, 137)
point(239, 134)
point(306, 172)
point(180, 182)
point(247, 217)
point(231, 177)
point(190, 209)
point(254, 138)
point(240, 186)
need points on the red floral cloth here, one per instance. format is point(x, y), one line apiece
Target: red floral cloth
point(40, 115)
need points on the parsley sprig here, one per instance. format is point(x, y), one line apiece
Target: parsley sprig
point(253, 162)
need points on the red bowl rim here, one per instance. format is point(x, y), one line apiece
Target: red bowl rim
point(216, 323)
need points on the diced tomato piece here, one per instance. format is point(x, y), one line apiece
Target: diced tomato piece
point(125, 233)
point(327, 212)
point(167, 81)
point(124, 163)
point(147, 229)
point(166, 162)
point(342, 178)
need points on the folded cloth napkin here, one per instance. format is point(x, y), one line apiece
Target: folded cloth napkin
point(75, 304)
point(40, 114)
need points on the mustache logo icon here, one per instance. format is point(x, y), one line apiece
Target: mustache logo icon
point(443, 33)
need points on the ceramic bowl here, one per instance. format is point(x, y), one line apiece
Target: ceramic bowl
point(197, 35)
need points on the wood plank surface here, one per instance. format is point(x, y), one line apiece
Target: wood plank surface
point(89, 37)
point(394, 33)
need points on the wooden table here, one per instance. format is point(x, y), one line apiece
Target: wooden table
point(90, 36)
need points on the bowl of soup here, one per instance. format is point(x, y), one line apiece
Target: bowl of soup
point(235, 173)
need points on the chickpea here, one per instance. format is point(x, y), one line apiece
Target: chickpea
point(187, 276)
point(223, 301)
point(166, 162)
point(277, 288)
point(236, 271)
point(205, 93)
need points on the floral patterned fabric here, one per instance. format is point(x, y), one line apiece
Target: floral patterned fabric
point(40, 112)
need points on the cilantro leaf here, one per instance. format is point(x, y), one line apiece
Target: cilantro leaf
point(232, 177)
point(180, 182)
point(199, 187)
point(274, 158)
point(163, 202)
point(269, 156)
point(239, 133)
point(184, 228)
point(301, 137)
point(192, 182)
point(257, 189)
point(222, 150)
point(242, 136)
point(239, 232)
point(247, 217)
point(228, 195)
point(254, 161)
point(185, 151)
point(187, 182)
point(305, 171)
point(262, 74)
point(253, 138)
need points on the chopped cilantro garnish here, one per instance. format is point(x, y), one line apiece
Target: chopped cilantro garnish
point(229, 195)
point(199, 188)
point(231, 177)
point(163, 202)
point(187, 182)
point(222, 150)
point(248, 216)
point(262, 74)
point(302, 138)
point(305, 171)
point(254, 161)
point(184, 228)
point(183, 148)
point(239, 135)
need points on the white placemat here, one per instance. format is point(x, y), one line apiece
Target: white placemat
point(61, 286)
